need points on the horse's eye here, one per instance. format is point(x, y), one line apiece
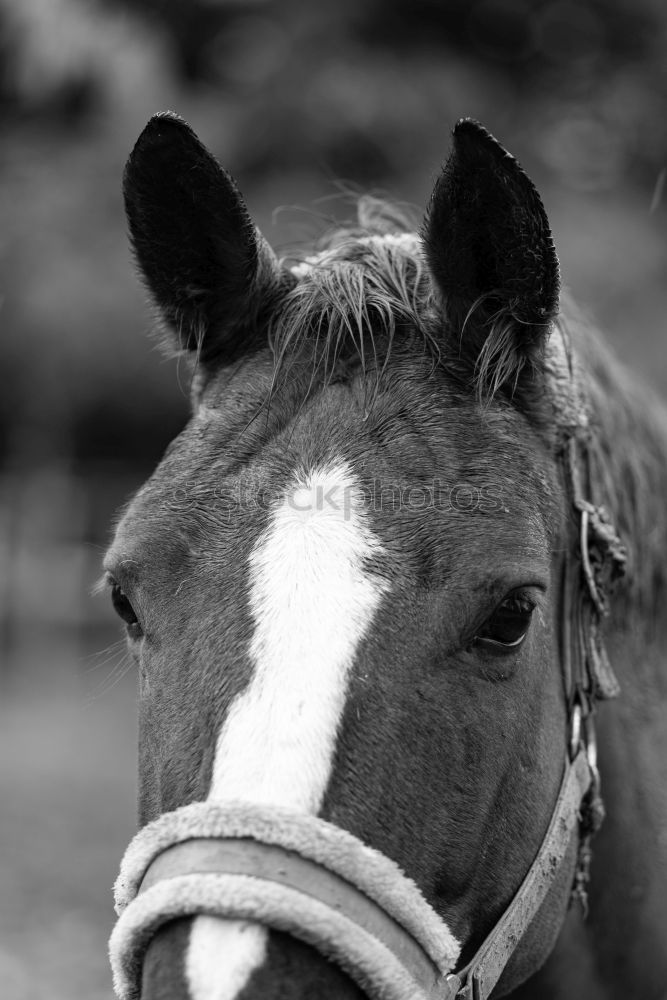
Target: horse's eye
point(507, 627)
point(123, 608)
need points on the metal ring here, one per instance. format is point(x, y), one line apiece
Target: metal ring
point(575, 735)
point(591, 743)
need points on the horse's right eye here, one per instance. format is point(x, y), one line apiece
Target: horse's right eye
point(123, 608)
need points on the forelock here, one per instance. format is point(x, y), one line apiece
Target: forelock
point(353, 294)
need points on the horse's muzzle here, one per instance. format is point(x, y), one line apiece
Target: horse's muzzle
point(290, 872)
point(301, 875)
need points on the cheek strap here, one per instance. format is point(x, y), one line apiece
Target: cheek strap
point(480, 975)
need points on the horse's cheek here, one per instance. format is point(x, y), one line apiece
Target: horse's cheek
point(168, 720)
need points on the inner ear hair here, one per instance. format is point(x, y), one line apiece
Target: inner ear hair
point(493, 263)
point(208, 268)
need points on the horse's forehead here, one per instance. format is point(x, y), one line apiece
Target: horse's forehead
point(210, 497)
point(310, 523)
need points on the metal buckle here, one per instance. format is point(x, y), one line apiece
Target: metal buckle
point(590, 741)
point(582, 735)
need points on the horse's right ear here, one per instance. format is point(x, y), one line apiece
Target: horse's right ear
point(207, 267)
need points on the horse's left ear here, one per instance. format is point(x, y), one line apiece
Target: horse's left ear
point(208, 268)
point(493, 260)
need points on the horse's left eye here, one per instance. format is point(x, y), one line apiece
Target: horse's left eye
point(123, 608)
point(507, 627)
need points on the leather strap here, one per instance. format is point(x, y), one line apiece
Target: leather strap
point(478, 978)
point(273, 863)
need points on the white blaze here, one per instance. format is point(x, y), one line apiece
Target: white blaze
point(312, 600)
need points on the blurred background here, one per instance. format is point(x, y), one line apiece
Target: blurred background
point(293, 97)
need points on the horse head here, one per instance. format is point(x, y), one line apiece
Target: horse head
point(342, 584)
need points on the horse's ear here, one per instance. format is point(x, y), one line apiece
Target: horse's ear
point(492, 258)
point(207, 267)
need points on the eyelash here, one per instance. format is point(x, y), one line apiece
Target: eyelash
point(510, 621)
point(125, 610)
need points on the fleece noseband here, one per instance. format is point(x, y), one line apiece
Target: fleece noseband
point(301, 875)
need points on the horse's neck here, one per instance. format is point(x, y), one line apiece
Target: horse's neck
point(630, 421)
point(630, 852)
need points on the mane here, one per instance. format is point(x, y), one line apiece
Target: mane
point(628, 440)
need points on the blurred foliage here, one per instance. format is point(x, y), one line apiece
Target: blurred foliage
point(594, 74)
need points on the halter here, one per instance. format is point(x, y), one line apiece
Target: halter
point(302, 875)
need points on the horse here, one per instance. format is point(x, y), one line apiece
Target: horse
point(377, 590)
